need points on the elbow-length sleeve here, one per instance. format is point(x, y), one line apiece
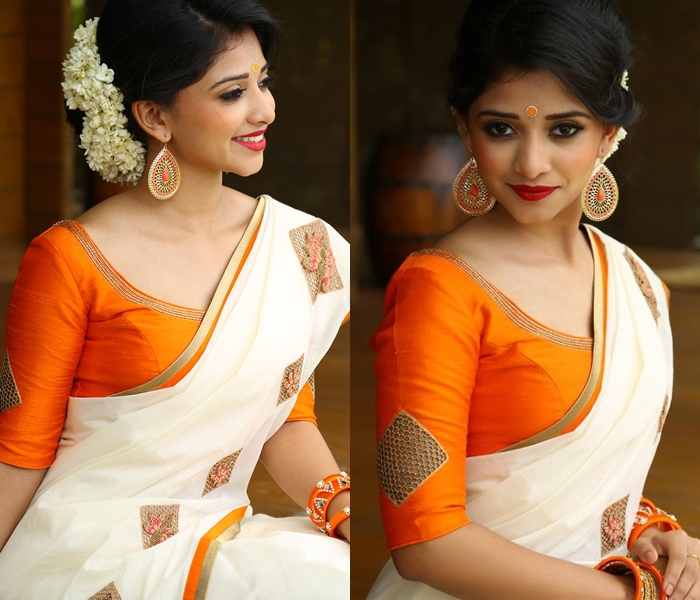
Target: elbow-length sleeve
point(46, 325)
point(427, 357)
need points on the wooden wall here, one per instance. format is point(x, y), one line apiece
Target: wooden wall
point(11, 122)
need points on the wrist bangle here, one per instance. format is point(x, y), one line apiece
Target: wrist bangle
point(325, 490)
point(653, 582)
point(649, 515)
point(336, 520)
point(621, 565)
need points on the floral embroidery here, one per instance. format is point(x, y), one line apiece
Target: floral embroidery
point(312, 245)
point(662, 416)
point(9, 394)
point(220, 473)
point(643, 283)
point(407, 456)
point(612, 526)
point(109, 592)
point(159, 522)
point(312, 383)
point(291, 380)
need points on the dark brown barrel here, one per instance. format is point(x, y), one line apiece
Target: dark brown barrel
point(409, 196)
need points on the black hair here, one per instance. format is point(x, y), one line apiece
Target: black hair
point(583, 43)
point(158, 47)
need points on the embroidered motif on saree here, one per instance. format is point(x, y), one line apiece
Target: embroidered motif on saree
point(9, 394)
point(407, 456)
point(220, 473)
point(291, 380)
point(312, 383)
point(612, 526)
point(313, 247)
point(643, 283)
point(109, 592)
point(159, 522)
point(662, 416)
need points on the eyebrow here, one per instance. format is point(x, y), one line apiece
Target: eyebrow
point(555, 117)
point(264, 68)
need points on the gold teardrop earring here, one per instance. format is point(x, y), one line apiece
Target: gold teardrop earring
point(470, 193)
point(600, 196)
point(164, 175)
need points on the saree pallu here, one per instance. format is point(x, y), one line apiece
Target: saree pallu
point(574, 496)
point(147, 496)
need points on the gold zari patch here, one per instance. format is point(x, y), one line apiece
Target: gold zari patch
point(408, 455)
point(291, 380)
point(220, 473)
point(643, 283)
point(109, 592)
point(9, 394)
point(159, 522)
point(313, 247)
point(612, 526)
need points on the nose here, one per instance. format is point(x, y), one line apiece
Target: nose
point(262, 107)
point(531, 159)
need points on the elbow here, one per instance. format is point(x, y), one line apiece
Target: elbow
point(411, 562)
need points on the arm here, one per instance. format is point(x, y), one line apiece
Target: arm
point(297, 457)
point(473, 562)
point(17, 488)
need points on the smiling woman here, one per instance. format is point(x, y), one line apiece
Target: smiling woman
point(163, 343)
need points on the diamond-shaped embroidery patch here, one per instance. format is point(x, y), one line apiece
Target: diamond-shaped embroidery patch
point(313, 248)
point(643, 282)
point(9, 394)
point(612, 526)
point(159, 522)
point(408, 455)
point(662, 416)
point(109, 592)
point(220, 473)
point(291, 380)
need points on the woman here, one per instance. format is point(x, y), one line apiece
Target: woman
point(164, 342)
point(524, 365)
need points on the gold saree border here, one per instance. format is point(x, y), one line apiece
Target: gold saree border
point(597, 364)
point(202, 565)
point(212, 314)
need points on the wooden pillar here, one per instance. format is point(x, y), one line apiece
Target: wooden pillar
point(48, 163)
point(11, 122)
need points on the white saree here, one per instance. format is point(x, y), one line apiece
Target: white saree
point(574, 496)
point(146, 495)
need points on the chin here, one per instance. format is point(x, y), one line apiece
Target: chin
point(245, 170)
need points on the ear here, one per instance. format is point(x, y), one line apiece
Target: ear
point(462, 129)
point(152, 119)
point(609, 134)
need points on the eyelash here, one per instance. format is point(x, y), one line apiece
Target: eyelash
point(236, 94)
point(490, 129)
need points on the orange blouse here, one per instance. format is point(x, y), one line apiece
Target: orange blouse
point(76, 327)
point(461, 370)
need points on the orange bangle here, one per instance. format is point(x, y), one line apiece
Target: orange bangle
point(325, 490)
point(649, 515)
point(336, 520)
point(621, 565)
point(651, 577)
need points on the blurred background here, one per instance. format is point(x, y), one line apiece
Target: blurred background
point(408, 154)
point(44, 178)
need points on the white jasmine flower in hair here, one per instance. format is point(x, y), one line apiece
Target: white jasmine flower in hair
point(109, 147)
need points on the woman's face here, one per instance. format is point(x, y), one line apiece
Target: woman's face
point(219, 122)
point(555, 149)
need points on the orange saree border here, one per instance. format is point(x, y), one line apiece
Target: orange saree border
point(205, 554)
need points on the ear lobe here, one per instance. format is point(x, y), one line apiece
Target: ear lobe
point(150, 118)
point(462, 129)
point(609, 134)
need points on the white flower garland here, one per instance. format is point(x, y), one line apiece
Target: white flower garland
point(622, 133)
point(109, 147)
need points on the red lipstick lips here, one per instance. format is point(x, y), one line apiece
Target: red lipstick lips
point(253, 141)
point(533, 193)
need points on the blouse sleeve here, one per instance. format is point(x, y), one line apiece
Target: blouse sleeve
point(46, 325)
point(427, 356)
point(304, 406)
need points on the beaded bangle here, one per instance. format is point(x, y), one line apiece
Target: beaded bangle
point(336, 520)
point(649, 515)
point(325, 490)
point(647, 579)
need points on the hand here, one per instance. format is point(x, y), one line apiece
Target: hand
point(682, 572)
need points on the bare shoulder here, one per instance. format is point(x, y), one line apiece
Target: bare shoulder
point(470, 241)
point(110, 215)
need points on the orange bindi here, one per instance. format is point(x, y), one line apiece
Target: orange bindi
point(256, 67)
point(531, 111)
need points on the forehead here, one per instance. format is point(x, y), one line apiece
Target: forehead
point(237, 57)
point(518, 90)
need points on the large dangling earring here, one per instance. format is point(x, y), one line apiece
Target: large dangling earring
point(600, 196)
point(470, 193)
point(164, 175)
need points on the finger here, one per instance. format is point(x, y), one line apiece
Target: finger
point(677, 549)
point(645, 550)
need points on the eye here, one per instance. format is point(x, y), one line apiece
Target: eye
point(267, 82)
point(499, 129)
point(566, 130)
point(234, 94)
